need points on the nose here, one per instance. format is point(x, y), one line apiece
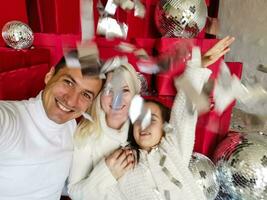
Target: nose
point(72, 98)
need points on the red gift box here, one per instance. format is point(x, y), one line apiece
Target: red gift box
point(55, 16)
point(22, 83)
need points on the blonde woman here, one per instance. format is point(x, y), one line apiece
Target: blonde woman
point(91, 173)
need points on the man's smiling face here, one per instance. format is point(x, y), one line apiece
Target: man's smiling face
point(68, 93)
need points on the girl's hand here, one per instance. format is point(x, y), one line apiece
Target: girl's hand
point(218, 50)
point(120, 161)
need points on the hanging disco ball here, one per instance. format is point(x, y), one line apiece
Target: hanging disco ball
point(241, 161)
point(180, 18)
point(17, 35)
point(204, 172)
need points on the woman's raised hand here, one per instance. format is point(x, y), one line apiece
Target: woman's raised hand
point(120, 161)
point(218, 50)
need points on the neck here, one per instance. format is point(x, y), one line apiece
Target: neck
point(115, 124)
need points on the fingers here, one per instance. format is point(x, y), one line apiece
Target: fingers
point(120, 161)
point(220, 46)
point(129, 167)
point(224, 43)
point(126, 157)
point(116, 154)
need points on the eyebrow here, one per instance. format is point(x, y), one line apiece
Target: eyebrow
point(73, 80)
point(154, 115)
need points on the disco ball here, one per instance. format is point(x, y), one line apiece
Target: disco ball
point(180, 18)
point(204, 172)
point(17, 35)
point(241, 161)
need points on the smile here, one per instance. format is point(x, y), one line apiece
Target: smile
point(62, 107)
point(117, 109)
point(143, 133)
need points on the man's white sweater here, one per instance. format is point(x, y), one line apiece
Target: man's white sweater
point(35, 152)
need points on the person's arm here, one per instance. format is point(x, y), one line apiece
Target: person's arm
point(183, 118)
point(9, 133)
point(86, 182)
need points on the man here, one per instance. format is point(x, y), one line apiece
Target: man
point(36, 135)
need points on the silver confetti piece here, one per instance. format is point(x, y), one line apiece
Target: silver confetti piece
point(72, 59)
point(139, 9)
point(200, 101)
point(110, 28)
point(162, 160)
point(126, 47)
point(107, 89)
point(148, 66)
point(146, 121)
point(117, 100)
point(87, 48)
point(111, 7)
point(117, 80)
point(226, 89)
point(136, 107)
point(87, 19)
point(229, 88)
point(171, 178)
point(167, 195)
point(127, 4)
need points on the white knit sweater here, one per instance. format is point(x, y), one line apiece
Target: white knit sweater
point(90, 178)
point(35, 152)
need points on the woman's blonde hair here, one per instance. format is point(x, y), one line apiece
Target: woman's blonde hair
point(87, 128)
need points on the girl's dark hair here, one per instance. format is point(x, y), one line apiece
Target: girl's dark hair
point(165, 114)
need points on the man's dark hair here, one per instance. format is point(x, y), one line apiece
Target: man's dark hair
point(165, 115)
point(61, 64)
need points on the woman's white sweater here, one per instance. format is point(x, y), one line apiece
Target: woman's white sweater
point(90, 177)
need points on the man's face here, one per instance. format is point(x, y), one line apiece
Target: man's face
point(68, 94)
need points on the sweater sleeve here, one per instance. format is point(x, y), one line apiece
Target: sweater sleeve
point(86, 181)
point(182, 118)
point(9, 133)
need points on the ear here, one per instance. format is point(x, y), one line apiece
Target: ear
point(49, 75)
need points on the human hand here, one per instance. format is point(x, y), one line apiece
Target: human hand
point(218, 50)
point(120, 161)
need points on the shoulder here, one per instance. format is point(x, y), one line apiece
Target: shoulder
point(10, 109)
